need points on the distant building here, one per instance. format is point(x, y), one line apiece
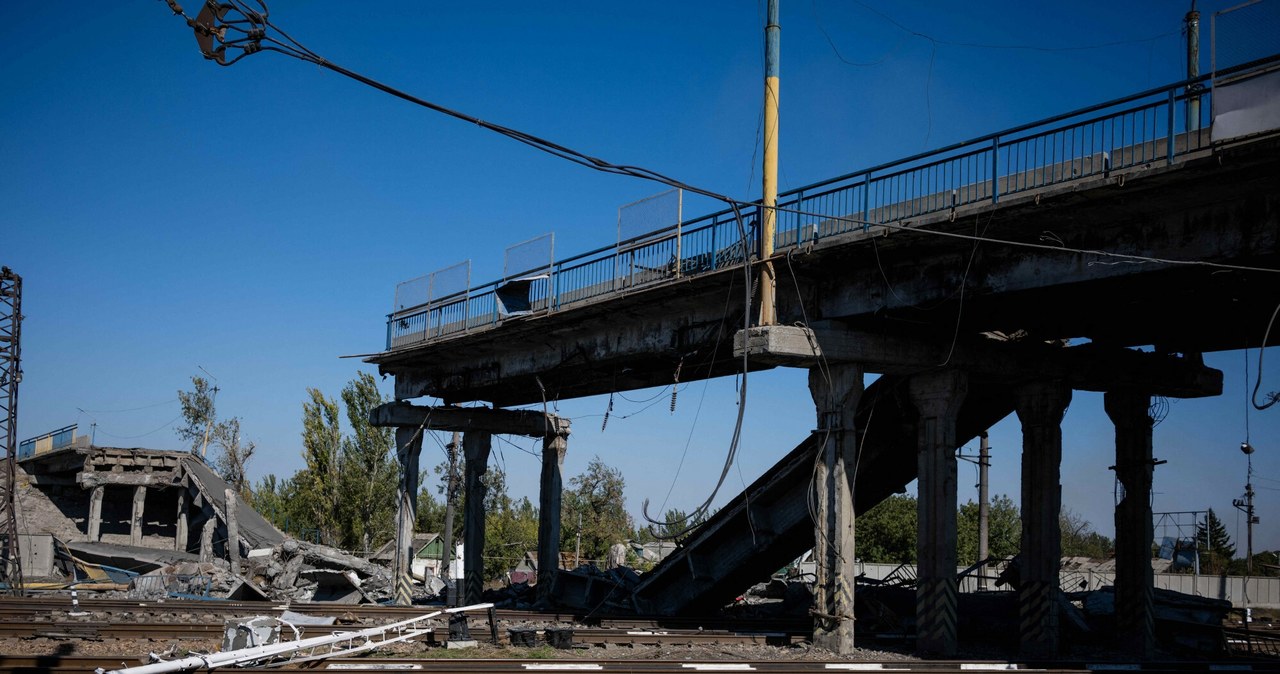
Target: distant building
point(428, 554)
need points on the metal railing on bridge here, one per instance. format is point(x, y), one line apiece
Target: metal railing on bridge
point(1152, 127)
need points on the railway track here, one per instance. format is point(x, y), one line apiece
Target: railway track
point(211, 630)
point(39, 608)
point(81, 664)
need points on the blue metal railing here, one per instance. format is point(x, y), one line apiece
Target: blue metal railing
point(1142, 129)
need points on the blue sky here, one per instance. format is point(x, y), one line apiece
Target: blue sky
point(167, 214)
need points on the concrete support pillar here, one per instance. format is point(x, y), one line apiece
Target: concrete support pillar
point(1135, 620)
point(206, 539)
point(836, 391)
point(549, 495)
point(408, 451)
point(181, 522)
point(476, 445)
point(937, 397)
point(233, 531)
point(1040, 407)
point(135, 522)
point(95, 514)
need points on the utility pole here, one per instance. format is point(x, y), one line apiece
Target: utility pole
point(208, 420)
point(10, 375)
point(1192, 24)
point(1245, 505)
point(450, 489)
point(577, 551)
point(768, 208)
point(984, 502)
point(984, 507)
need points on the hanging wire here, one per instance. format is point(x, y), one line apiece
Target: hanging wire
point(251, 31)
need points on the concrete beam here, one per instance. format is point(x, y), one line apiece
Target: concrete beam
point(468, 419)
point(1089, 367)
point(90, 479)
point(1040, 407)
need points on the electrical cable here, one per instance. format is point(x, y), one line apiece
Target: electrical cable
point(818, 22)
point(212, 24)
point(131, 409)
point(1272, 396)
point(142, 435)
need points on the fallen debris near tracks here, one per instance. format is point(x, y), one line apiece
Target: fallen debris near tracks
point(338, 644)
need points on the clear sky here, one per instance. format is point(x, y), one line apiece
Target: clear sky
point(168, 214)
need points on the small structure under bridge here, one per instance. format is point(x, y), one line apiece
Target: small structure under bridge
point(1184, 200)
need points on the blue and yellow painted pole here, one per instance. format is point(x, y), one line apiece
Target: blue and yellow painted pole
point(769, 214)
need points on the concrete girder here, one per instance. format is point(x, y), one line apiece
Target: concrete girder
point(1089, 367)
point(467, 419)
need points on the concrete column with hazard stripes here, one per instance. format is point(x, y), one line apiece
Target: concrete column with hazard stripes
point(549, 496)
point(1135, 468)
point(937, 398)
point(475, 446)
point(836, 391)
point(408, 450)
point(1040, 407)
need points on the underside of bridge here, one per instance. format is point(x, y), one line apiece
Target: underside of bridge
point(1010, 316)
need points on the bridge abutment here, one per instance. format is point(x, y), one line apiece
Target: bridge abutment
point(836, 390)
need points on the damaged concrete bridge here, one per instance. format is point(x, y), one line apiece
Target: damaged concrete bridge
point(991, 277)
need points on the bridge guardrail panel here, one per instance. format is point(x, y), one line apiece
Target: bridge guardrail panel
point(1133, 131)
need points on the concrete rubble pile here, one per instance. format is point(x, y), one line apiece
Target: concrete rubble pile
point(300, 571)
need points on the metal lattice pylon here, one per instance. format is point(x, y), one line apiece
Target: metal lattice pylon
point(10, 376)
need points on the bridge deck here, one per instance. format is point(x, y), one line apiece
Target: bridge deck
point(1119, 177)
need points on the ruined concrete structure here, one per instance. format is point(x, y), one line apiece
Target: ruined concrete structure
point(138, 498)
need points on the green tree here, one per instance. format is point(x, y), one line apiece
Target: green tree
point(1214, 543)
point(1004, 530)
point(202, 429)
point(511, 526)
point(596, 500)
point(232, 461)
point(318, 483)
point(198, 414)
point(1079, 539)
point(887, 533)
point(369, 472)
